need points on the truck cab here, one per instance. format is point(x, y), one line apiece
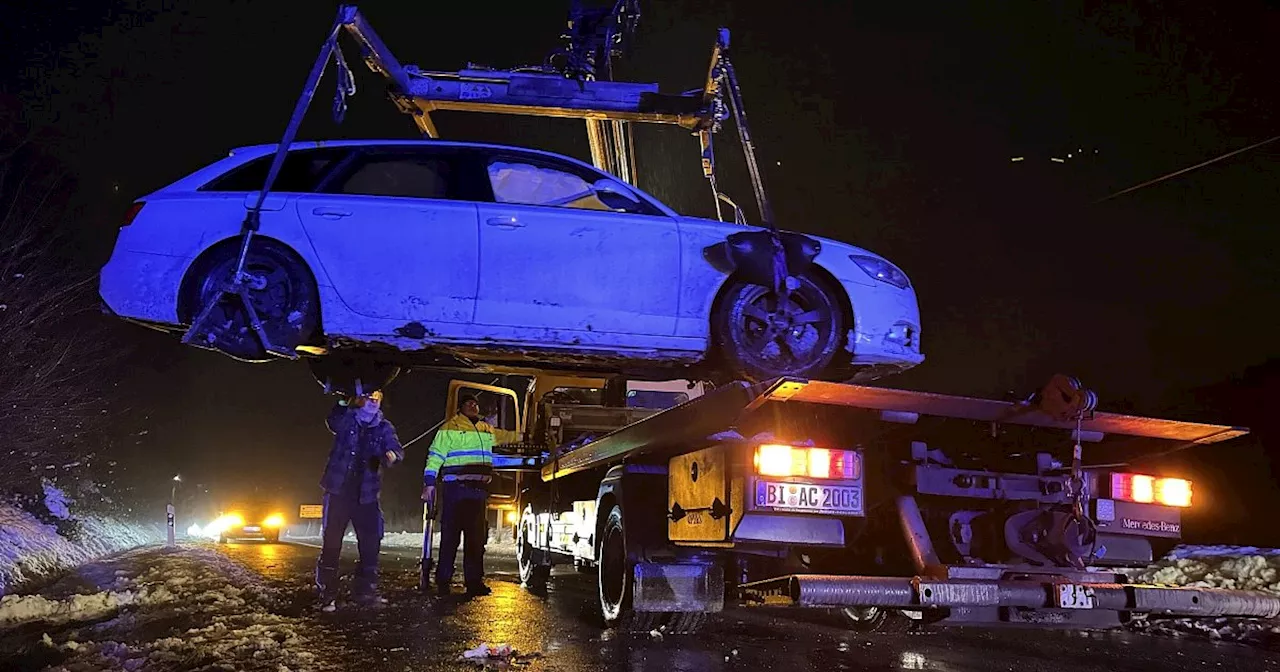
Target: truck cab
point(553, 413)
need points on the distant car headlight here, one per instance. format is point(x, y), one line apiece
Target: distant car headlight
point(881, 270)
point(274, 520)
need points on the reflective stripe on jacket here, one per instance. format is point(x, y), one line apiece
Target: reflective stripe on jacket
point(463, 450)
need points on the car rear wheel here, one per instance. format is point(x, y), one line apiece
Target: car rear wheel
point(762, 336)
point(281, 291)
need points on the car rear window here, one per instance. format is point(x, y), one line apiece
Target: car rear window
point(301, 173)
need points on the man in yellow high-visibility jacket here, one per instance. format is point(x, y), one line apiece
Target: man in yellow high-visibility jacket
point(460, 462)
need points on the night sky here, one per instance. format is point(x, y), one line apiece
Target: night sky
point(890, 127)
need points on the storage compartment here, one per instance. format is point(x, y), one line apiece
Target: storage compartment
point(698, 496)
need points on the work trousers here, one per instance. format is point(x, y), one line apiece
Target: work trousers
point(462, 516)
point(339, 512)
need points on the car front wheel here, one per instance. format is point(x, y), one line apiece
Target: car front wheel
point(761, 335)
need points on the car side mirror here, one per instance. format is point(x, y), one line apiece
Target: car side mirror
point(605, 186)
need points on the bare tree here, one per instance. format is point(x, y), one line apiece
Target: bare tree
point(58, 365)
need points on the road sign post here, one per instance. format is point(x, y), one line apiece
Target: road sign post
point(169, 533)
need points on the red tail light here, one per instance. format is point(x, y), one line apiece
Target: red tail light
point(133, 213)
point(1145, 489)
point(783, 460)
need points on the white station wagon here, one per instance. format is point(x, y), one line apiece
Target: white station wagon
point(432, 253)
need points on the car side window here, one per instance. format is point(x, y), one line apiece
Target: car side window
point(301, 172)
point(523, 181)
point(400, 174)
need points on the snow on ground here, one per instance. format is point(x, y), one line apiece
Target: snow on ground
point(501, 543)
point(151, 598)
point(31, 550)
point(1230, 567)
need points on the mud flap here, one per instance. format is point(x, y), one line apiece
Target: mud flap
point(678, 587)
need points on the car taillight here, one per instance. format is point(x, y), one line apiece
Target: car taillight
point(1145, 489)
point(133, 212)
point(782, 460)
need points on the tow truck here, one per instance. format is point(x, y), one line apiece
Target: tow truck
point(896, 509)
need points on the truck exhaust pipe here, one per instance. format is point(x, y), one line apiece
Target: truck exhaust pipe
point(811, 590)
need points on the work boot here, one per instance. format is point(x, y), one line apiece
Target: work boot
point(478, 590)
point(326, 587)
point(364, 588)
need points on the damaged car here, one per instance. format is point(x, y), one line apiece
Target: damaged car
point(372, 256)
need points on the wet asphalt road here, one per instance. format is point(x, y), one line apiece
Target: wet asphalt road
point(417, 632)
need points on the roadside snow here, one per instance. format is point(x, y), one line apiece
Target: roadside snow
point(501, 543)
point(189, 607)
point(1230, 567)
point(30, 549)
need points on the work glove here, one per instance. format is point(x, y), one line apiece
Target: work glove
point(428, 493)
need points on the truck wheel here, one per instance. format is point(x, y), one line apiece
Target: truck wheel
point(615, 578)
point(875, 619)
point(533, 575)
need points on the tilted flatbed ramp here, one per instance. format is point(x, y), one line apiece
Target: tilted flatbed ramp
point(722, 410)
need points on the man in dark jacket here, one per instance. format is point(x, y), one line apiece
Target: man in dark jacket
point(363, 443)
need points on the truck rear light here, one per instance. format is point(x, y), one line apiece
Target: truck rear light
point(782, 460)
point(133, 213)
point(1145, 489)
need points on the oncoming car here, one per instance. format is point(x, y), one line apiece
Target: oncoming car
point(418, 252)
point(247, 524)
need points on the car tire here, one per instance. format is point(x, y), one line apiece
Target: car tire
point(339, 372)
point(285, 298)
point(758, 340)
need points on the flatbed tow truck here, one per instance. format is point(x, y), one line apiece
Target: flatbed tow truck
point(894, 508)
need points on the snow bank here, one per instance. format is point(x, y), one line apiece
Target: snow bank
point(500, 544)
point(1230, 567)
point(198, 609)
point(30, 549)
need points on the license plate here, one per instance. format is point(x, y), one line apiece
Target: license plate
point(841, 499)
point(252, 528)
point(1075, 596)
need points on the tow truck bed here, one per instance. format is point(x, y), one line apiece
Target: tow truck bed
point(728, 407)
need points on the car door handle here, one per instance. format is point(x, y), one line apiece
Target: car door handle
point(335, 213)
point(508, 222)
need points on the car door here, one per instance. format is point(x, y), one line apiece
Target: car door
point(553, 256)
point(397, 235)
